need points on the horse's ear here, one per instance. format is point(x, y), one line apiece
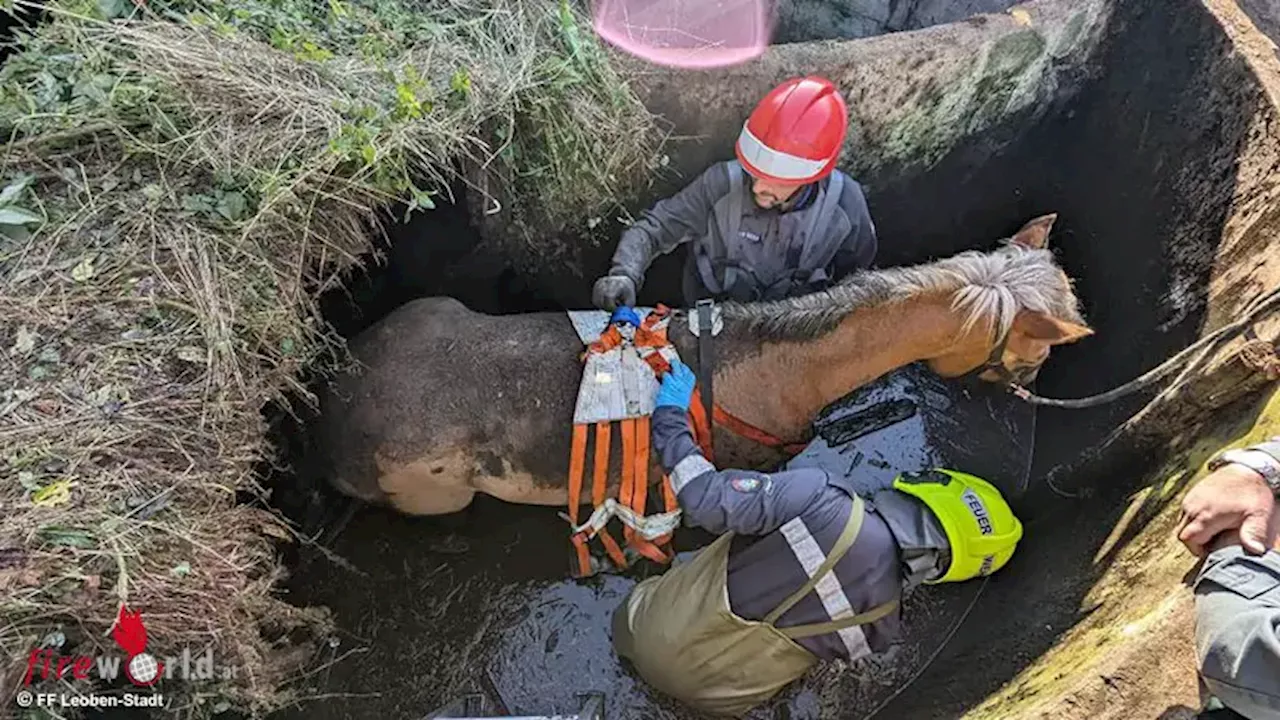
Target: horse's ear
point(1046, 328)
point(1035, 234)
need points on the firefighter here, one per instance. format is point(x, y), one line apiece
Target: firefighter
point(804, 569)
point(778, 221)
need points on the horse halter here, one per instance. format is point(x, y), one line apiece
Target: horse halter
point(994, 363)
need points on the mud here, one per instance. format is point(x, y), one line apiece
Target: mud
point(425, 620)
point(1166, 218)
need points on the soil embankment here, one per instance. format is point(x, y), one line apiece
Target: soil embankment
point(1150, 129)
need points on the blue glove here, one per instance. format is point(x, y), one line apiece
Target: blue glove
point(624, 313)
point(677, 386)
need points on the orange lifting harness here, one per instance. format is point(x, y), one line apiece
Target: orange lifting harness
point(649, 339)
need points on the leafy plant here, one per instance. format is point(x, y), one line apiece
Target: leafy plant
point(15, 219)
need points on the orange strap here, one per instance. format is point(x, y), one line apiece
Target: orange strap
point(736, 425)
point(633, 493)
point(640, 491)
point(577, 466)
point(669, 505)
point(628, 470)
point(701, 428)
point(740, 427)
point(577, 459)
point(597, 491)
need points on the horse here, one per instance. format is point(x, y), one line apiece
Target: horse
point(452, 402)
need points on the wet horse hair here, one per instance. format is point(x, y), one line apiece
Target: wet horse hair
point(989, 287)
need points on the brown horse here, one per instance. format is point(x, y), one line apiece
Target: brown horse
point(452, 402)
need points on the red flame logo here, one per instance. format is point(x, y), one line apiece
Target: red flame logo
point(129, 633)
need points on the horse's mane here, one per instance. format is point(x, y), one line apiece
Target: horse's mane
point(990, 288)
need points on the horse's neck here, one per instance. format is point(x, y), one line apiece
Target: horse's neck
point(781, 386)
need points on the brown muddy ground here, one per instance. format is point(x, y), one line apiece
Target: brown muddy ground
point(427, 614)
point(1142, 173)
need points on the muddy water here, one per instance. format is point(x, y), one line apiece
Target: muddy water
point(483, 604)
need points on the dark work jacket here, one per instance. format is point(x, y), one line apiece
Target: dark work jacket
point(786, 523)
point(743, 252)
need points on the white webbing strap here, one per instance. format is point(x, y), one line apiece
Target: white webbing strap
point(649, 527)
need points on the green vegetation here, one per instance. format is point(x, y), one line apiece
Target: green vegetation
point(180, 181)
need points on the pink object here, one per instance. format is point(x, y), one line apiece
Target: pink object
point(685, 33)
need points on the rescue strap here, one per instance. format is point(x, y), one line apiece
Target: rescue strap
point(649, 536)
point(744, 429)
point(706, 361)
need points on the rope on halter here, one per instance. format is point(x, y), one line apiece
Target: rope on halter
point(1206, 344)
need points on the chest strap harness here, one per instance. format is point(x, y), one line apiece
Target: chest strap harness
point(648, 536)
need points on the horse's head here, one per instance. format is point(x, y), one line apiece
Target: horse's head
point(1018, 304)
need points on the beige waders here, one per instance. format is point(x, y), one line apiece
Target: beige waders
point(679, 632)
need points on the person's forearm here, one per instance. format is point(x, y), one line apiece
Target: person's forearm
point(636, 251)
point(664, 227)
point(673, 441)
point(735, 500)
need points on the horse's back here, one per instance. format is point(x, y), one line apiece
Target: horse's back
point(436, 374)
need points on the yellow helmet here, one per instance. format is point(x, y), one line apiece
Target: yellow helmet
point(979, 524)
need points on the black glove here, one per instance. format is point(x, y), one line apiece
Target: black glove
point(613, 290)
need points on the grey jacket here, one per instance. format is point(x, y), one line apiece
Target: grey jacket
point(785, 524)
point(1238, 626)
point(743, 252)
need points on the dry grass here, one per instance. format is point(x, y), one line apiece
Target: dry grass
point(200, 179)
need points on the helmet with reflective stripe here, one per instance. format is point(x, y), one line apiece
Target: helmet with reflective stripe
point(979, 524)
point(795, 134)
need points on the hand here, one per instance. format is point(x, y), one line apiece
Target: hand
point(1232, 537)
point(677, 386)
point(611, 291)
point(1231, 498)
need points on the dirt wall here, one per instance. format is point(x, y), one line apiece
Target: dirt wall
point(805, 20)
point(964, 91)
point(1153, 136)
point(1100, 621)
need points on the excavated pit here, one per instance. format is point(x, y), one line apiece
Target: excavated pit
point(1152, 163)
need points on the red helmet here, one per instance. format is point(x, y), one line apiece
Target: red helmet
point(795, 134)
